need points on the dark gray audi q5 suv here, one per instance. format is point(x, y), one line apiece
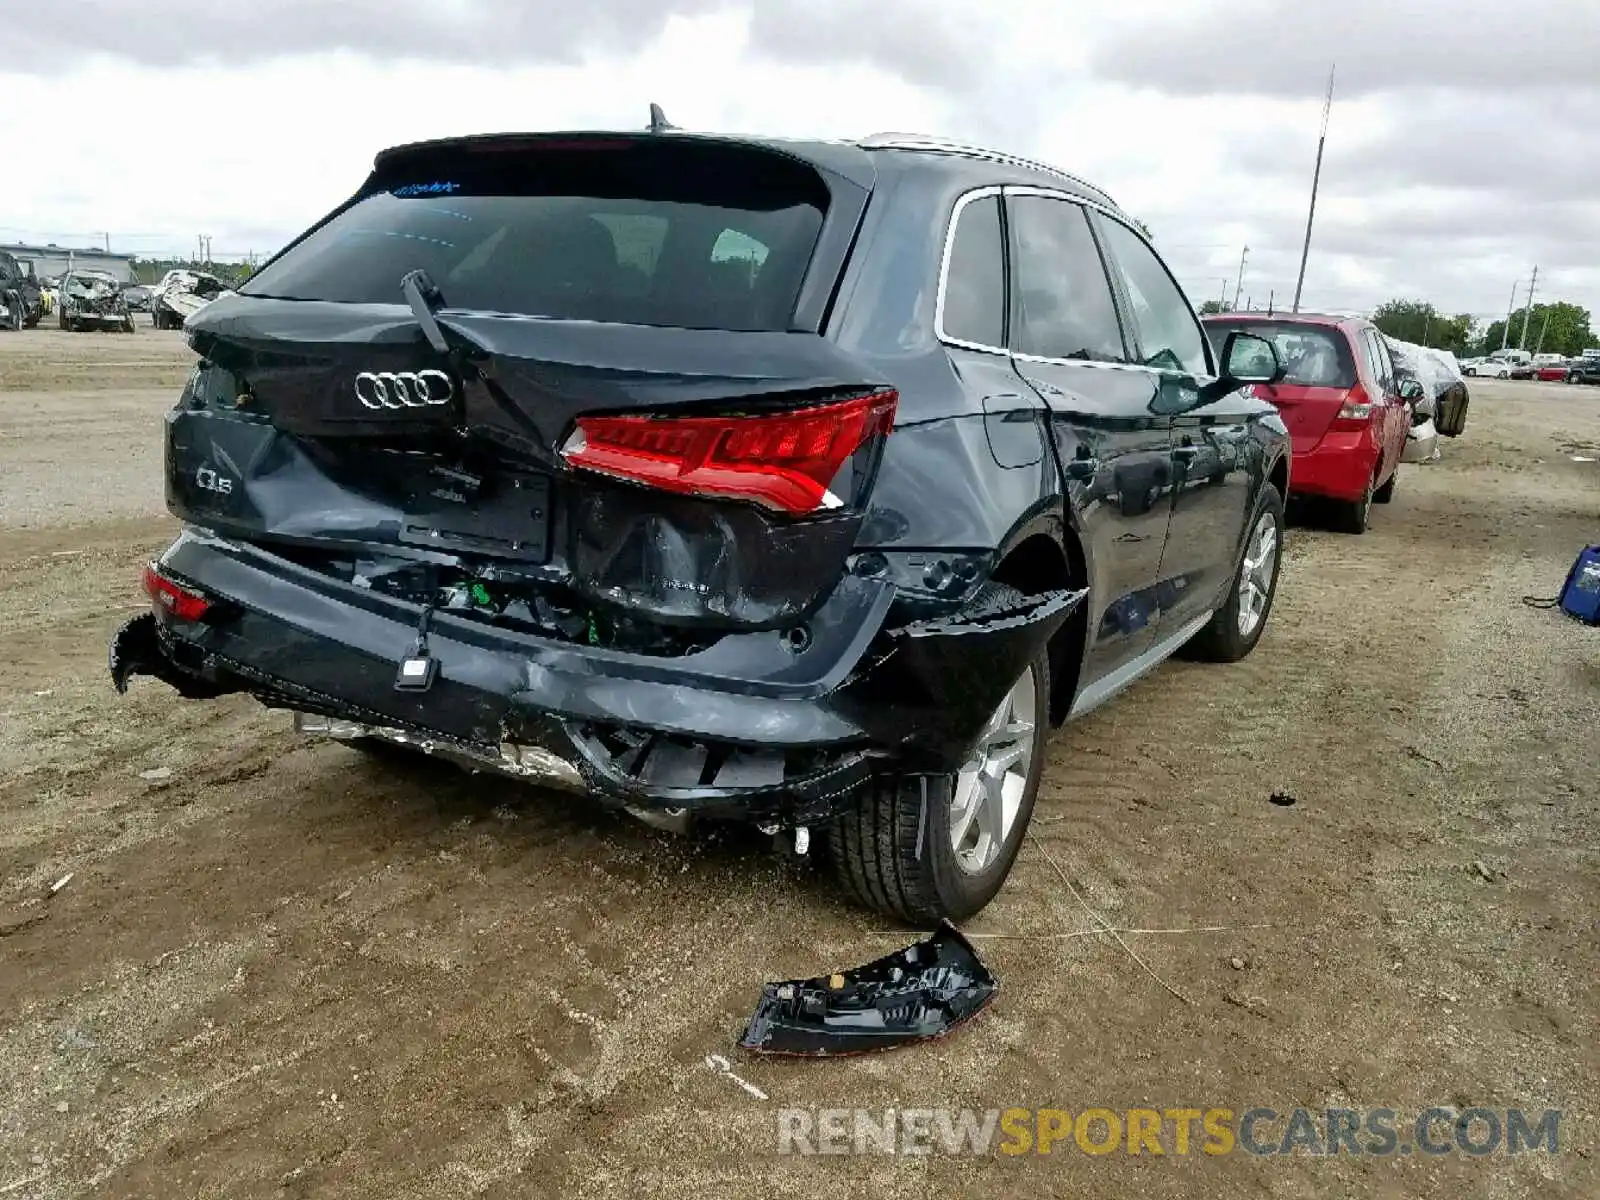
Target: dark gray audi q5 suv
point(804, 483)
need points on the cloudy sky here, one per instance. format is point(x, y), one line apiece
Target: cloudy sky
point(1464, 145)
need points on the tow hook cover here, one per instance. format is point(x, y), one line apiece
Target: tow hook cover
point(912, 995)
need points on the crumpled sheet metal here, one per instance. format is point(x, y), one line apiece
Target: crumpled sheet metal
point(921, 992)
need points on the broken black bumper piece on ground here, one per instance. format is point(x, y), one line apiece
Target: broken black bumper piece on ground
point(912, 995)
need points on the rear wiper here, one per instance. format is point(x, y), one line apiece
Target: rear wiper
point(425, 299)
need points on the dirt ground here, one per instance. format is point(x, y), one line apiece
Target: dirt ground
point(280, 968)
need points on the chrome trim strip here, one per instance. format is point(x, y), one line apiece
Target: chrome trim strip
point(1101, 690)
point(966, 198)
point(980, 193)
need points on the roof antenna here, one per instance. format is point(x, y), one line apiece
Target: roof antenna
point(658, 120)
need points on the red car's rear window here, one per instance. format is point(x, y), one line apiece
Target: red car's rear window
point(1312, 355)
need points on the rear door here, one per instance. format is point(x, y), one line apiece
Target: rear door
point(1115, 450)
point(1393, 412)
point(1213, 481)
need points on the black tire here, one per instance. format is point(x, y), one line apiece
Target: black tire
point(1386, 493)
point(892, 848)
point(1222, 640)
point(1353, 516)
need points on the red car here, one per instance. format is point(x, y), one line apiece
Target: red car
point(1340, 397)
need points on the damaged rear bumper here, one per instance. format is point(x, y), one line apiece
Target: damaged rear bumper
point(758, 726)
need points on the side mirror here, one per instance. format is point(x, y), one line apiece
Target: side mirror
point(1410, 390)
point(1245, 358)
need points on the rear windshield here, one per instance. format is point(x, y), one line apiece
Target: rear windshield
point(1312, 355)
point(666, 233)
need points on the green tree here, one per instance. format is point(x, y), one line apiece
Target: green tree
point(1420, 322)
point(1564, 328)
point(1212, 306)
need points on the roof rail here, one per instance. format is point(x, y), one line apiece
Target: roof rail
point(923, 141)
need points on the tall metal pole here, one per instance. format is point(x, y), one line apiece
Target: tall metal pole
point(1316, 178)
point(1511, 306)
point(1239, 287)
point(1543, 329)
point(1522, 342)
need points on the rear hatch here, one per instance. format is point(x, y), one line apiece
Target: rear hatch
point(1319, 375)
point(599, 398)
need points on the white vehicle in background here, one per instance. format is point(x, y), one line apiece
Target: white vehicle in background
point(181, 294)
point(1498, 365)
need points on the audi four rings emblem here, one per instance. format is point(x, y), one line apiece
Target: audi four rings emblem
point(403, 389)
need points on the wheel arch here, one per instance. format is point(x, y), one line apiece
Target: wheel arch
point(1278, 476)
point(1041, 555)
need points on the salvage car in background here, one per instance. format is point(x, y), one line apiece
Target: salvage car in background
point(1441, 409)
point(1584, 369)
point(21, 297)
point(138, 297)
point(669, 469)
point(182, 293)
point(1340, 397)
point(92, 300)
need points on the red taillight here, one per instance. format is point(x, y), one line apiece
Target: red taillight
point(1355, 413)
point(785, 461)
point(181, 602)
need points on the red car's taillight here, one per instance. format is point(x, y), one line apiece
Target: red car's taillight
point(785, 461)
point(1355, 413)
point(183, 603)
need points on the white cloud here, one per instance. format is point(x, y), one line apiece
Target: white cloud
point(1184, 110)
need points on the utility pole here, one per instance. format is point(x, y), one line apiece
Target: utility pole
point(107, 237)
point(1543, 329)
point(1522, 342)
point(1223, 299)
point(1427, 320)
point(1510, 308)
point(1271, 292)
point(1239, 287)
point(1316, 178)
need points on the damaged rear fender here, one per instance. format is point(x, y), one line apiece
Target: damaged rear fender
point(937, 681)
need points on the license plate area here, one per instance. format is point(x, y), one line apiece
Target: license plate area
point(505, 514)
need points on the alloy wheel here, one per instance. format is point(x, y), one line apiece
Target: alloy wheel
point(1256, 572)
point(990, 787)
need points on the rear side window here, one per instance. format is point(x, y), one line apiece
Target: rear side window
point(648, 233)
point(1312, 355)
point(1061, 299)
point(1169, 332)
point(975, 281)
